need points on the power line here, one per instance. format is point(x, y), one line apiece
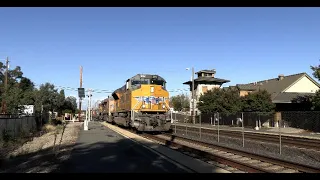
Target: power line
point(104, 91)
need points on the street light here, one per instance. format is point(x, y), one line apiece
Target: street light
point(192, 95)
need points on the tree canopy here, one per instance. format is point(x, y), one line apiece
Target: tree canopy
point(316, 98)
point(180, 102)
point(258, 102)
point(316, 71)
point(229, 102)
point(21, 91)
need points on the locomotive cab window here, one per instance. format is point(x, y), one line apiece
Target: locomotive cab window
point(139, 82)
point(158, 82)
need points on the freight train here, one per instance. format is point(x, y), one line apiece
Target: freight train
point(142, 104)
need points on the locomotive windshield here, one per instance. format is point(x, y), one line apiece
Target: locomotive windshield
point(140, 81)
point(158, 82)
point(148, 81)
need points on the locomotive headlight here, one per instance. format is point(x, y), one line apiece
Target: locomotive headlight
point(163, 106)
point(143, 106)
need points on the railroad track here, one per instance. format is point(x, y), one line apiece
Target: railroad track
point(235, 158)
point(298, 142)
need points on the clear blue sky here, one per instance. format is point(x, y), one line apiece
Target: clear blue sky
point(113, 44)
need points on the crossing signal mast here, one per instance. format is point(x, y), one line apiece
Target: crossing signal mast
point(81, 93)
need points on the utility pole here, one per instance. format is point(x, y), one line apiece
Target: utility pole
point(4, 104)
point(90, 104)
point(80, 97)
point(193, 107)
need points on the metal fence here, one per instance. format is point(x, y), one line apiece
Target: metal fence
point(251, 119)
point(216, 127)
point(14, 126)
point(308, 120)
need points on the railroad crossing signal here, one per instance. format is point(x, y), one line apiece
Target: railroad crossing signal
point(81, 93)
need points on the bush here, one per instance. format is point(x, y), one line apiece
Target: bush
point(48, 128)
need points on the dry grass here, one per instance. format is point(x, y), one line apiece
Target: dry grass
point(52, 139)
point(43, 154)
point(48, 128)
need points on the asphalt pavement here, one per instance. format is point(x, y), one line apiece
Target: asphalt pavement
point(101, 150)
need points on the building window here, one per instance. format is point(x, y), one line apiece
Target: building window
point(204, 89)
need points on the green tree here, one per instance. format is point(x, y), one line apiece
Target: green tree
point(13, 100)
point(259, 101)
point(316, 97)
point(21, 91)
point(61, 101)
point(48, 97)
point(211, 101)
point(232, 102)
point(180, 102)
point(13, 94)
point(70, 104)
point(26, 84)
point(305, 101)
point(316, 101)
point(219, 100)
point(27, 88)
point(316, 71)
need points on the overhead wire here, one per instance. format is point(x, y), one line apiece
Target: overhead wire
point(104, 91)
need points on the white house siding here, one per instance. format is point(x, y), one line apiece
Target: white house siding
point(304, 85)
point(198, 92)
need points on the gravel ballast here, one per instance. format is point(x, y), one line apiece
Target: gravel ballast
point(297, 155)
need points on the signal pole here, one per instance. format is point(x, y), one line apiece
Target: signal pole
point(193, 105)
point(80, 97)
point(89, 105)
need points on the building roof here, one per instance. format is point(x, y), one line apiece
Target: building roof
point(206, 71)
point(288, 97)
point(230, 87)
point(276, 87)
point(208, 80)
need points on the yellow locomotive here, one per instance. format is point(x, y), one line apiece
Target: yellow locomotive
point(142, 103)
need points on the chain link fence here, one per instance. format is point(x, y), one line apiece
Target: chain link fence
point(251, 119)
point(307, 120)
point(239, 128)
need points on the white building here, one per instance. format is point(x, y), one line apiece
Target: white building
point(204, 82)
point(28, 109)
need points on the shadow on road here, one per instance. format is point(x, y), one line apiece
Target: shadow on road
point(121, 155)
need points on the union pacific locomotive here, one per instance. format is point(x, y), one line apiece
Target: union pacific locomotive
point(142, 103)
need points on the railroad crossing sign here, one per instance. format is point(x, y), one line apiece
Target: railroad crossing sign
point(81, 93)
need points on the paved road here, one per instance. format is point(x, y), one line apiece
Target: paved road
point(102, 150)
